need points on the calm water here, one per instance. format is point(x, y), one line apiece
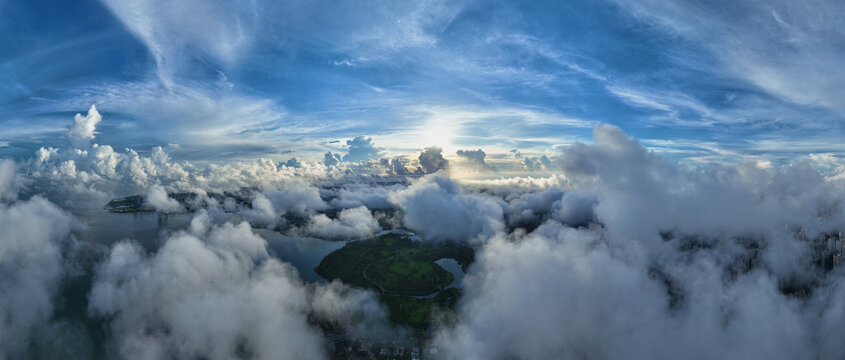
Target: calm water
point(150, 229)
point(452, 266)
point(304, 253)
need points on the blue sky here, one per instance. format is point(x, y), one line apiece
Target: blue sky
point(720, 81)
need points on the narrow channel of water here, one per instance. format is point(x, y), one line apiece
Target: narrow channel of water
point(452, 266)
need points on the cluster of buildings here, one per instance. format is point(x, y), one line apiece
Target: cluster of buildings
point(827, 249)
point(354, 349)
point(746, 262)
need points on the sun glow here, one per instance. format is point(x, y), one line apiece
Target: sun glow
point(438, 134)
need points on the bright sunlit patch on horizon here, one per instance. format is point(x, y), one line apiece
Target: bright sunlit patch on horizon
point(439, 131)
point(439, 135)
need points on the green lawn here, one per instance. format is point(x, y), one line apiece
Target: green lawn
point(398, 269)
point(413, 268)
point(394, 264)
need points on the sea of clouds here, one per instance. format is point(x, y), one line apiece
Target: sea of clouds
point(620, 255)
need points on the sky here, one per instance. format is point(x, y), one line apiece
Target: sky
point(698, 82)
point(640, 179)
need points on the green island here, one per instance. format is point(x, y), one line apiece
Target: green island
point(401, 270)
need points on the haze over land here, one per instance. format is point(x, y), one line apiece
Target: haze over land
point(646, 180)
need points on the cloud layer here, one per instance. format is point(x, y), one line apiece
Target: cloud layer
point(34, 233)
point(622, 254)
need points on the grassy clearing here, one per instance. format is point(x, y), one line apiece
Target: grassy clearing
point(394, 264)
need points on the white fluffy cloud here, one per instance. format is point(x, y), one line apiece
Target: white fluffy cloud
point(31, 266)
point(362, 148)
point(640, 193)
point(157, 198)
point(10, 181)
point(574, 208)
point(439, 209)
point(81, 132)
point(695, 263)
point(667, 261)
point(214, 292)
point(562, 293)
point(553, 299)
point(355, 223)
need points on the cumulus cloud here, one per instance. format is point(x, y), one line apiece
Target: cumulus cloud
point(373, 196)
point(439, 209)
point(10, 181)
point(431, 160)
point(354, 223)
point(398, 166)
point(292, 162)
point(362, 148)
point(536, 163)
point(680, 262)
point(577, 299)
point(574, 208)
point(81, 132)
point(31, 263)
point(102, 170)
point(624, 255)
point(297, 197)
point(356, 310)
point(530, 163)
point(519, 184)
point(203, 298)
point(475, 158)
point(214, 292)
point(269, 206)
point(640, 193)
point(158, 198)
point(560, 289)
point(529, 209)
point(331, 159)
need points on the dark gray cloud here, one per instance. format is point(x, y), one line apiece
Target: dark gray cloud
point(431, 160)
point(396, 166)
point(473, 157)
